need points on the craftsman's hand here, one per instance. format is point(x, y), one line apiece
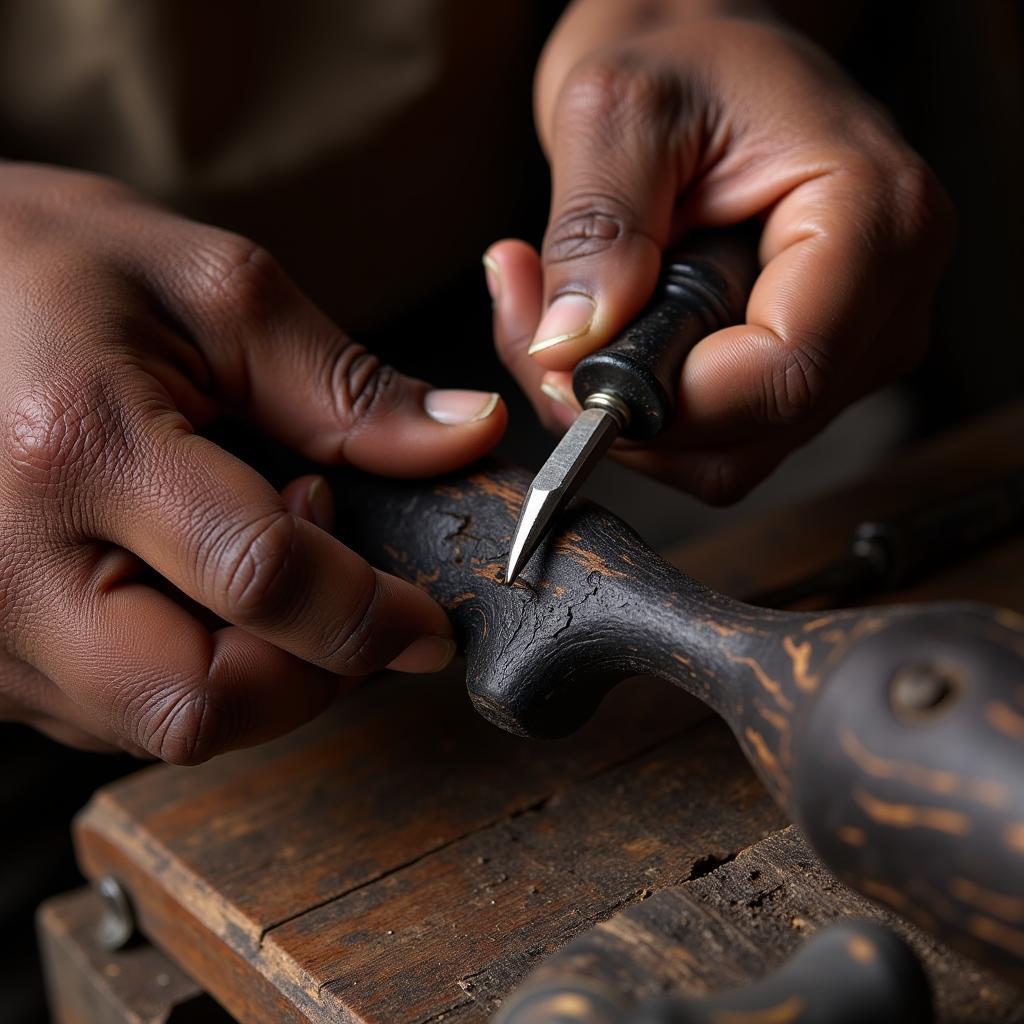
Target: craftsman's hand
point(156, 593)
point(656, 126)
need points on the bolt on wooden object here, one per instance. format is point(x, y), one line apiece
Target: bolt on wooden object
point(894, 736)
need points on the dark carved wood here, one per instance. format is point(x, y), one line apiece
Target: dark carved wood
point(894, 735)
point(741, 922)
point(854, 972)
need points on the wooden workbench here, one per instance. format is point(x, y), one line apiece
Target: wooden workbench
point(401, 860)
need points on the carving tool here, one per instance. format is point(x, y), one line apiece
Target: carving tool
point(628, 389)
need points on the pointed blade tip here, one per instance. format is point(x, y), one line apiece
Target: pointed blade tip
point(512, 567)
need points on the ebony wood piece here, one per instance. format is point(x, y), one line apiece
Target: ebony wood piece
point(895, 735)
point(853, 972)
point(741, 922)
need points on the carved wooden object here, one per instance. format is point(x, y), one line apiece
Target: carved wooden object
point(895, 735)
point(853, 972)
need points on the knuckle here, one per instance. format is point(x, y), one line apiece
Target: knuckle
point(620, 94)
point(589, 224)
point(59, 433)
point(182, 725)
point(255, 569)
point(614, 108)
point(799, 382)
point(237, 278)
point(900, 202)
point(362, 388)
point(352, 648)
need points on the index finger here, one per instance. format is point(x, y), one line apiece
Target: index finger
point(219, 532)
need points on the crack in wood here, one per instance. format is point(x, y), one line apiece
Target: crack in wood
point(534, 807)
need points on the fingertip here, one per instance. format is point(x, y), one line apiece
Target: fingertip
point(432, 431)
point(464, 425)
point(321, 504)
point(565, 330)
point(740, 381)
point(455, 407)
point(514, 277)
point(310, 498)
point(592, 298)
point(412, 633)
point(562, 407)
point(512, 256)
point(425, 655)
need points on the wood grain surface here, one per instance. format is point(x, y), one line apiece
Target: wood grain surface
point(783, 544)
point(346, 872)
point(742, 921)
point(222, 859)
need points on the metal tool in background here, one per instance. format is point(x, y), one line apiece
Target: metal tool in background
point(628, 389)
point(886, 554)
point(853, 972)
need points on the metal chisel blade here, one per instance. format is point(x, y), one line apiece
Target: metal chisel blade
point(558, 480)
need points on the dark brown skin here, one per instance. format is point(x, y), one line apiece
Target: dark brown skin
point(124, 330)
point(663, 117)
point(155, 590)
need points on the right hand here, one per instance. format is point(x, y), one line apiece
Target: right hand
point(124, 328)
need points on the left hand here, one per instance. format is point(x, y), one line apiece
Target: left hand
point(655, 130)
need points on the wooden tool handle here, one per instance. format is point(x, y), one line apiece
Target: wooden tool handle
point(894, 735)
point(855, 972)
point(703, 287)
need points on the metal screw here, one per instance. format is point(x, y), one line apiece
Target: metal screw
point(117, 925)
point(922, 689)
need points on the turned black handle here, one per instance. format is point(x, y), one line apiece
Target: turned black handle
point(894, 735)
point(854, 972)
point(702, 288)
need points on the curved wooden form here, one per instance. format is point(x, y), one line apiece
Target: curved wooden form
point(895, 735)
point(853, 972)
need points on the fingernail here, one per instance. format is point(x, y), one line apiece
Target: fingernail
point(554, 392)
point(568, 317)
point(452, 406)
point(428, 654)
point(321, 504)
point(492, 274)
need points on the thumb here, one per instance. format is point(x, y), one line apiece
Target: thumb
point(614, 183)
point(304, 381)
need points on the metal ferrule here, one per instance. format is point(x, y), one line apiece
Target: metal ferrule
point(611, 404)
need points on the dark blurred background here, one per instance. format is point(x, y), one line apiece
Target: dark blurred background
point(379, 182)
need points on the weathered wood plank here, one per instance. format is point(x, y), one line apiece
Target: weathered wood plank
point(783, 544)
point(779, 890)
point(739, 922)
point(411, 946)
point(328, 811)
point(216, 856)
